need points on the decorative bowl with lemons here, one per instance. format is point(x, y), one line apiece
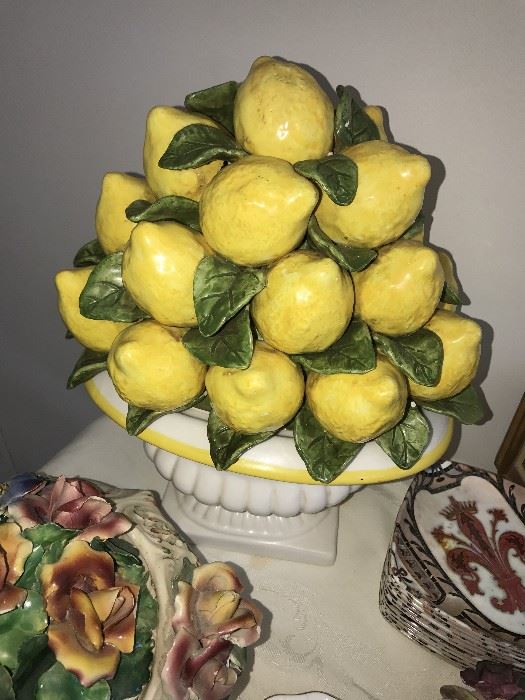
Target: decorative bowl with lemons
point(270, 276)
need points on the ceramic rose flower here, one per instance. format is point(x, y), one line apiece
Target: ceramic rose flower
point(72, 503)
point(210, 617)
point(14, 550)
point(92, 614)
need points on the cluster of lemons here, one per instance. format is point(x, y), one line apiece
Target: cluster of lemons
point(255, 212)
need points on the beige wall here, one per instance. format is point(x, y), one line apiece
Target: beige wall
point(78, 78)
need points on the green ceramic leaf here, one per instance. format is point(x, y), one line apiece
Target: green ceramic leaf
point(353, 352)
point(336, 175)
point(105, 298)
point(417, 227)
point(90, 254)
point(419, 355)
point(48, 541)
point(185, 573)
point(204, 404)
point(449, 295)
point(351, 259)
point(34, 658)
point(198, 144)
point(362, 126)
point(231, 347)
point(343, 119)
point(221, 289)
point(125, 555)
point(133, 671)
point(466, 406)
point(20, 625)
point(406, 441)
point(325, 455)
point(215, 102)
point(59, 684)
point(138, 419)
point(172, 208)
point(227, 445)
point(6, 685)
point(87, 366)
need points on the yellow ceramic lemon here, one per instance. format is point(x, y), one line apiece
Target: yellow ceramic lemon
point(400, 290)
point(390, 189)
point(358, 407)
point(306, 305)
point(161, 126)
point(158, 268)
point(281, 110)
point(461, 338)
point(118, 191)
point(151, 368)
point(92, 334)
point(256, 210)
point(262, 397)
point(376, 115)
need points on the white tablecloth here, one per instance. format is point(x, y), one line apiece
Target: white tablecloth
point(323, 627)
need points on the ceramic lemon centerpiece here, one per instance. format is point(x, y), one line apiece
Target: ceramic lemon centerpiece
point(264, 301)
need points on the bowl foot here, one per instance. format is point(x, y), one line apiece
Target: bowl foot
point(307, 537)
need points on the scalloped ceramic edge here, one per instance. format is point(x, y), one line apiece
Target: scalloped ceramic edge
point(163, 553)
point(184, 434)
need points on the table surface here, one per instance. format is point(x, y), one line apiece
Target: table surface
point(323, 629)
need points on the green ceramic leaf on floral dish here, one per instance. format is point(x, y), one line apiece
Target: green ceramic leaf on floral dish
point(227, 445)
point(230, 347)
point(138, 419)
point(105, 298)
point(450, 296)
point(221, 289)
point(20, 625)
point(416, 228)
point(172, 208)
point(406, 441)
point(418, 355)
point(59, 684)
point(90, 254)
point(325, 455)
point(198, 144)
point(353, 353)
point(89, 364)
point(125, 555)
point(48, 541)
point(466, 406)
point(215, 102)
point(351, 259)
point(133, 670)
point(336, 175)
point(6, 685)
point(35, 657)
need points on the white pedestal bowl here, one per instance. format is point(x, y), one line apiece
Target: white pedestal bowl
point(266, 503)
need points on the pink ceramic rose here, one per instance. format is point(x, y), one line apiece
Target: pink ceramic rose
point(210, 617)
point(72, 503)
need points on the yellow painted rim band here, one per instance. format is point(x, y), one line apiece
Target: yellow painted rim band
point(269, 471)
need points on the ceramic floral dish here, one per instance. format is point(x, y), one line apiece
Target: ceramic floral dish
point(100, 598)
point(454, 575)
